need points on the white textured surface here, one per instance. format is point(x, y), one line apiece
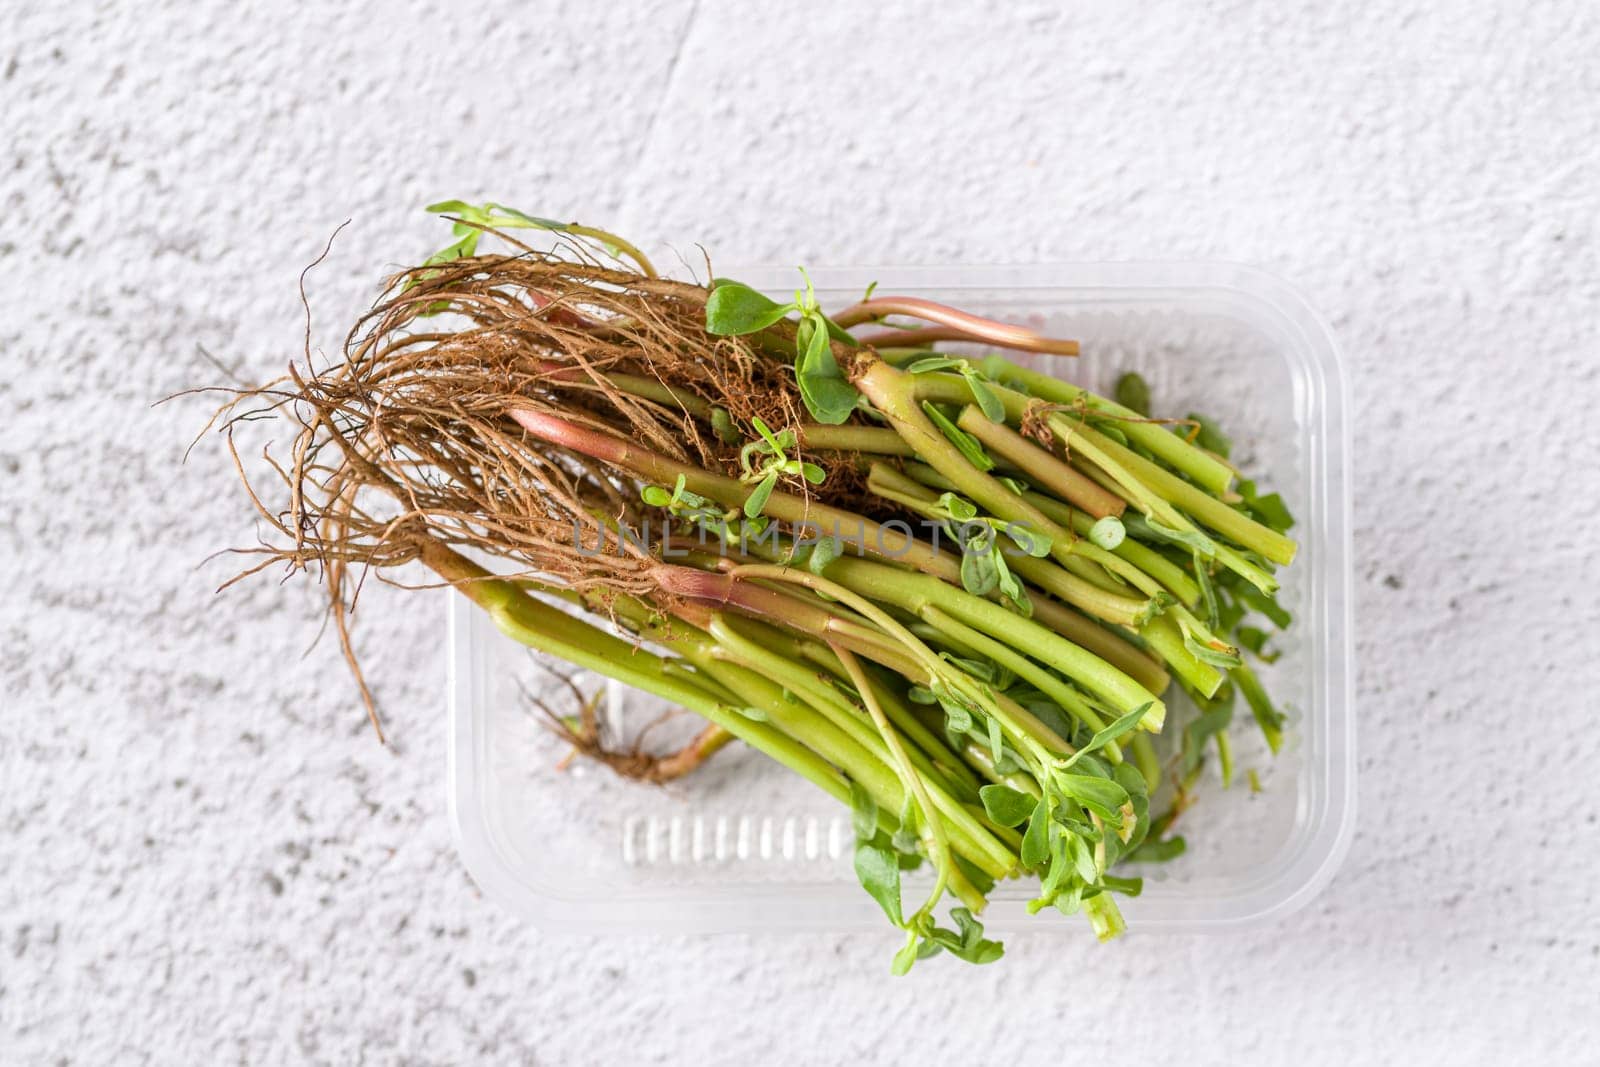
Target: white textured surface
point(205, 858)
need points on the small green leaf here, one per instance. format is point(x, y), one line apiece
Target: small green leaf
point(928, 364)
point(766, 434)
point(1011, 588)
point(980, 669)
point(1082, 858)
point(722, 425)
point(983, 393)
point(1191, 538)
point(1268, 718)
point(1199, 731)
point(969, 928)
point(956, 717)
point(813, 473)
point(1102, 796)
point(1159, 851)
point(828, 396)
point(1272, 512)
point(965, 443)
point(909, 953)
point(1035, 543)
point(958, 508)
point(1255, 639)
point(979, 576)
point(1133, 392)
point(863, 812)
point(969, 943)
point(763, 491)
point(1060, 870)
point(1201, 647)
point(733, 309)
point(1268, 508)
point(1005, 806)
point(1128, 887)
point(754, 714)
point(823, 553)
point(1104, 737)
point(1035, 840)
point(996, 739)
point(1267, 605)
point(879, 873)
point(655, 496)
point(533, 221)
point(905, 837)
point(1093, 766)
point(1129, 777)
point(1210, 437)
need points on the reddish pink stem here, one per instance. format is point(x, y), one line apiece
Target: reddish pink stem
point(899, 545)
point(906, 336)
point(975, 327)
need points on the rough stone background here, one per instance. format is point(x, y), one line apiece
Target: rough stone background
point(204, 858)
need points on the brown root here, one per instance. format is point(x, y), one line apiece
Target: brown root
point(407, 441)
point(582, 732)
point(642, 766)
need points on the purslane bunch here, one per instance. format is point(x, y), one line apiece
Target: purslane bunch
point(950, 590)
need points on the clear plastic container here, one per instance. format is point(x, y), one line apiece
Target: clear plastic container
point(744, 844)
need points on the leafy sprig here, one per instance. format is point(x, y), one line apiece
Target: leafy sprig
point(878, 863)
point(727, 525)
point(474, 219)
point(766, 459)
point(734, 309)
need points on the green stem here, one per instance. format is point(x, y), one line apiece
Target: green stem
point(1103, 642)
point(810, 687)
point(914, 593)
point(650, 389)
point(1197, 463)
point(1202, 507)
point(882, 541)
point(1166, 638)
point(1125, 467)
point(872, 440)
point(613, 241)
point(538, 625)
point(933, 833)
point(1040, 466)
point(950, 764)
point(1005, 711)
point(1261, 708)
point(1076, 435)
point(892, 392)
point(1169, 574)
point(1045, 681)
point(1145, 758)
point(853, 750)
